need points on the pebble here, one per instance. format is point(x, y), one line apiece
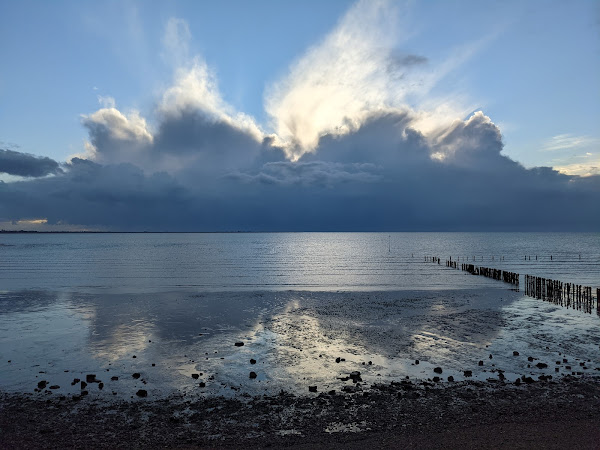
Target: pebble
point(438, 370)
point(142, 393)
point(515, 353)
point(114, 378)
point(136, 375)
point(252, 361)
point(239, 344)
point(195, 376)
point(312, 389)
point(252, 375)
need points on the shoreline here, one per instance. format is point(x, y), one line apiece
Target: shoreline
point(469, 414)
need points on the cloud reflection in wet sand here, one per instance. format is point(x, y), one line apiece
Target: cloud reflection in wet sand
point(295, 338)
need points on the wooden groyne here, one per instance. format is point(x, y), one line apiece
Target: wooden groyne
point(569, 295)
point(495, 274)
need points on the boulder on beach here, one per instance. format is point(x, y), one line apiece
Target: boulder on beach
point(312, 389)
point(468, 373)
point(252, 375)
point(90, 378)
point(83, 384)
point(438, 370)
point(252, 361)
point(136, 375)
point(355, 376)
point(515, 353)
point(239, 344)
point(114, 378)
point(142, 393)
point(42, 384)
point(195, 376)
point(541, 365)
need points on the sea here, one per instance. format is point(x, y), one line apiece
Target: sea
point(154, 262)
point(224, 314)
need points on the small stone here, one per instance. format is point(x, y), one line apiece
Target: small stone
point(312, 389)
point(252, 375)
point(252, 361)
point(556, 369)
point(527, 380)
point(42, 384)
point(136, 375)
point(153, 364)
point(541, 365)
point(468, 373)
point(100, 386)
point(481, 363)
point(195, 376)
point(239, 344)
point(332, 392)
point(450, 378)
point(370, 363)
point(84, 392)
point(438, 370)
point(530, 358)
point(83, 384)
point(142, 393)
point(337, 360)
point(515, 353)
point(490, 356)
point(75, 381)
point(202, 384)
point(518, 381)
point(55, 386)
point(114, 378)
point(355, 376)
point(134, 356)
point(90, 378)
point(416, 361)
point(436, 379)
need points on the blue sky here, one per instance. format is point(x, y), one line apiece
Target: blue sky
point(171, 86)
point(536, 75)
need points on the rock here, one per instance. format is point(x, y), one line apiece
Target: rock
point(490, 356)
point(153, 364)
point(195, 376)
point(438, 370)
point(481, 363)
point(568, 367)
point(239, 344)
point(252, 375)
point(530, 358)
point(100, 386)
point(556, 369)
point(136, 375)
point(142, 393)
point(332, 392)
point(468, 373)
point(252, 361)
point(541, 365)
point(450, 378)
point(134, 356)
point(436, 379)
point(202, 384)
point(312, 389)
point(83, 384)
point(351, 388)
point(42, 384)
point(75, 381)
point(527, 380)
point(90, 378)
point(337, 360)
point(114, 378)
point(515, 353)
point(517, 381)
point(55, 386)
point(84, 393)
point(416, 361)
point(355, 376)
point(370, 363)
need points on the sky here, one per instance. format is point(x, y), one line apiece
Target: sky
point(269, 115)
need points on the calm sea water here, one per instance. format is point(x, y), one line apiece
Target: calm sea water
point(281, 261)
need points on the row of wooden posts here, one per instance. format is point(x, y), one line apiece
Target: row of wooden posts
point(569, 295)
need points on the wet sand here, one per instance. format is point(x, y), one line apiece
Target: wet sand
point(409, 368)
point(413, 415)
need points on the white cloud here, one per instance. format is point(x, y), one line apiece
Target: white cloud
point(569, 142)
point(106, 101)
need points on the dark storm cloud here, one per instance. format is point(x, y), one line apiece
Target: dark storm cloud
point(25, 165)
point(384, 176)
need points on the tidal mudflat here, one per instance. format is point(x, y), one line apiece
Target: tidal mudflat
point(284, 367)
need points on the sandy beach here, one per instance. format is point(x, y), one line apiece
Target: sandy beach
point(457, 368)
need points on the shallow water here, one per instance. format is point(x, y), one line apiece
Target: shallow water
point(72, 305)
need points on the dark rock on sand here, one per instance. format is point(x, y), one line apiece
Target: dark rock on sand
point(530, 358)
point(436, 379)
point(252, 361)
point(438, 370)
point(481, 363)
point(416, 361)
point(202, 384)
point(75, 381)
point(142, 393)
point(100, 386)
point(338, 359)
point(136, 375)
point(239, 344)
point(515, 353)
point(468, 373)
point(55, 386)
point(83, 384)
point(527, 380)
point(42, 384)
point(90, 378)
point(312, 389)
point(114, 378)
point(195, 376)
point(355, 376)
point(450, 378)
point(518, 381)
point(541, 365)
point(252, 375)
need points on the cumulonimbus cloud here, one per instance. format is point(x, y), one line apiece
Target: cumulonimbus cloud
point(349, 149)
